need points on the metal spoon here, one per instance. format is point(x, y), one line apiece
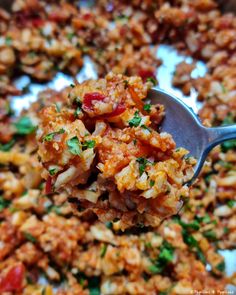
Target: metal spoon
point(188, 132)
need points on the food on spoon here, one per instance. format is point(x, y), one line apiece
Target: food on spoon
point(104, 149)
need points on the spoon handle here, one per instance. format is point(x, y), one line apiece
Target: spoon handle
point(217, 135)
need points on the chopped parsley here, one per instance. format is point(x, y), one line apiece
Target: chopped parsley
point(225, 165)
point(230, 144)
point(29, 237)
point(193, 244)
point(74, 145)
point(4, 203)
point(94, 286)
point(210, 235)
point(126, 84)
point(122, 17)
point(166, 255)
point(50, 136)
point(58, 107)
point(142, 164)
point(147, 107)
point(54, 208)
point(7, 146)
point(152, 80)
point(8, 40)
point(226, 230)
point(72, 85)
point(89, 144)
point(152, 182)
point(228, 120)
point(221, 266)
point(135, 141)
point(24, 126)
point(224, 90)
point(148, 245)
point(77, 111)
point(192, 225)
point(136, 120)
point(52, 171)
point(146, 128)
point(231, 203)
point(70, 36)
point(109, 224)
point(103, 250)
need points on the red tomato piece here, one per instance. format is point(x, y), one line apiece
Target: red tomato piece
point(48, 186)
point(90, 97)
point(119, 110)
point(13, 280)
point(144, 74)
point(37, 22)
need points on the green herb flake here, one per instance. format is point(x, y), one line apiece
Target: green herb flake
point(72, 85)
point(58, 107)
point(54, 208)
point(154, 269)
point(226, 230)
point(24, 126)
point(74, 145)
point(147, 107)
point(52, 171)
point(29, 237)
point(7, 146)
point(126, 83)
point(228, 120)
point(135, 141)
point(221, 266)
point(166, 255)
point(103, 250)
point(94, 286)
point(148, 245)
point(189, 239)
point(109, 224)
point(231, 203)
point(122, 17)
point(152, 80)
point(192, 225)
point(136, 120)
point(142, 164)
point(50, 136)
point(146, 128)
point(70, 36)
point(152, 182)
point(200, 255)
point(210, 235)
point(89, 144)
point(4, 203)
point(77, 111)
point(225, 165)
point(224, 90)
point(206, 219)
point(228, 145)
point(8, 40)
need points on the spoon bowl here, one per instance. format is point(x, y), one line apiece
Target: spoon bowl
point(185, 127)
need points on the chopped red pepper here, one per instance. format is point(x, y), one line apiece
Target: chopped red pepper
point(117, 111)
point(90, 97)
point(13, 280)
point(48, 186)
point(37, 22)
point(96, 96)
point(144, 74)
